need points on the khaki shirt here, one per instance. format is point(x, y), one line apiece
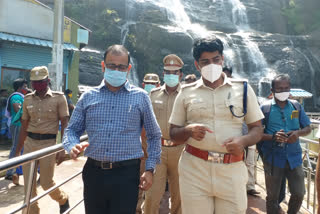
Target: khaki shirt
point(199, 104)
point(44, 114)
point(162, 103)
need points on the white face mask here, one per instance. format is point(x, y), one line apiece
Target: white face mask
point(211, 72)
point(283, 96)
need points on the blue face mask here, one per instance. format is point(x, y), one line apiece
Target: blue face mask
point(171, 79)
point(114, 77)
point(149, 87)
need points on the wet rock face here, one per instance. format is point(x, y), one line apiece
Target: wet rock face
point(150, 33)
point(90, 72)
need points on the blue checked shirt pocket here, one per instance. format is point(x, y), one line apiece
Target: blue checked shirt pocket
point(133, 116)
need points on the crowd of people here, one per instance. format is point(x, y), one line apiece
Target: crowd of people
point(196, 138)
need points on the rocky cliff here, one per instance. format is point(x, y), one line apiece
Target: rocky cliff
point(260, 37)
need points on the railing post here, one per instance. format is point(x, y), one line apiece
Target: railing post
point(308, 186)
point(315, 201)
point(32, 174)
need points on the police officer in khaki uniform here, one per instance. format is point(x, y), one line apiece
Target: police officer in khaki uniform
point(42, 111)
point(162, 101)
point(208, 116)
point(150, 81)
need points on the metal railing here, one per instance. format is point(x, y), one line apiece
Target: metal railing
point(32, 158)
point(309, 168)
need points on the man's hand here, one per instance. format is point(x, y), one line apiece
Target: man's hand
point(281, 136)
point(60, 157)
point(77, 149)
point(197, 131)
point(293, 136)
point(234, 145)
point(146, 180)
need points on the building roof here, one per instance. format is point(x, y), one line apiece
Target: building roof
point(34, 41)
point(300, 93)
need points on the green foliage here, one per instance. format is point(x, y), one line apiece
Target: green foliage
point(301, 20)
point(132, 40)
point(97, 16)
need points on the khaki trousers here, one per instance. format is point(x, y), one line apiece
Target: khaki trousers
point(250, 163)
point(47, 165)
point(212, 188)
point(167, 169)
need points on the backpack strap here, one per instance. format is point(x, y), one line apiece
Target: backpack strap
point(297, 106)
point(265, 108)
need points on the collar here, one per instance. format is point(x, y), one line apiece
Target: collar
point(226, 80)
point(273, 102)
point(163, 88)
point(126, 86)
point(49, 92)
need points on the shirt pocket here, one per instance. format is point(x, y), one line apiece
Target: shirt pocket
point(196, 112)
point(236, 105)
point(32, 111)
point(133, 116)
point(158, 110)
point(52, 113)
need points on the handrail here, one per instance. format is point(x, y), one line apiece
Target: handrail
point(310, 174)
point(23, 159)
point(33, 157)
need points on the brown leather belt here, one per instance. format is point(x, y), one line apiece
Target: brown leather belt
point(111, 165)
point(37, 136)
point(215, 157)
point(167, 143)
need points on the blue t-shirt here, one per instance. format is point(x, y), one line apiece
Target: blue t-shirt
point(288, 121)
point(15, 99)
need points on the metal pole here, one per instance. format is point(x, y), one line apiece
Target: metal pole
point(32, 174)
point(308, 187)
point(56, 67)
point(314, 195)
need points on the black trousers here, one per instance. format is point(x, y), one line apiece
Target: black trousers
point(274, 184)
point(110, 191)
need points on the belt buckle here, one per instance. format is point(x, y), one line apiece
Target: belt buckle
point(106, 165)
point(215, 157)
point(167, 143)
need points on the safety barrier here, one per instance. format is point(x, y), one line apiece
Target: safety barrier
point(32, 158)
point(309, 167)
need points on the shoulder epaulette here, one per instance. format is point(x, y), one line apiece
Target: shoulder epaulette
point(155, 89)
point(28, 95)
point(188, 85)
point(238, 80)
point(58, 92)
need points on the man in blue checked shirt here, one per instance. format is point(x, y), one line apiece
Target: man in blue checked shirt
point(113, 115)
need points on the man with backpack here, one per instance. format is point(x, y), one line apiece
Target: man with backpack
point(285, 121)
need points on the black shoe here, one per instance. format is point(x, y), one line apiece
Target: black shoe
point(253, 192)
point(64, 207)
point(8, 177)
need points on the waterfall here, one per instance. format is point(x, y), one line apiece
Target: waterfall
point(313, 73)
point(125, 31)
point(258, 68)
point(133, 75)
point(176, 14)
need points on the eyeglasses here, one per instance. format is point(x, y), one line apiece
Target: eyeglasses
point(119, 67)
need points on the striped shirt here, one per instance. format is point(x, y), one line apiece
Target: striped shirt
point(113, 122)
